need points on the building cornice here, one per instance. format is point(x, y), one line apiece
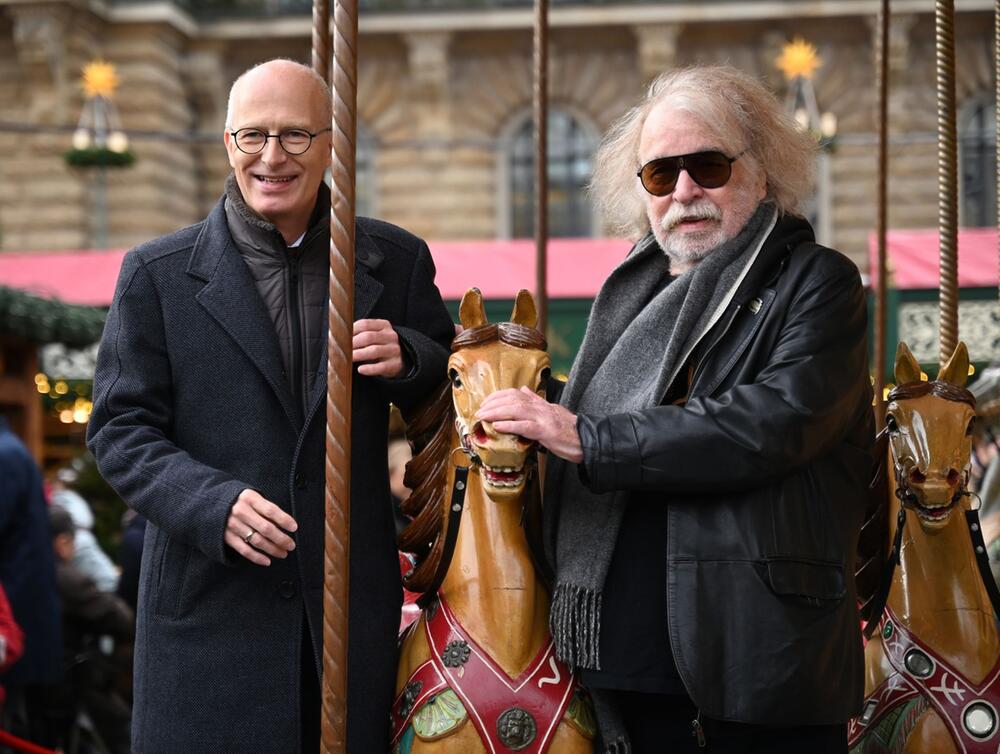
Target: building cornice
point(506, 19)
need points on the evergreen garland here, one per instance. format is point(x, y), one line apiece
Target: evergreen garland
point(40, 320)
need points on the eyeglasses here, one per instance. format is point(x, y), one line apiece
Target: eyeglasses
point(709, 170)
point(294, 141)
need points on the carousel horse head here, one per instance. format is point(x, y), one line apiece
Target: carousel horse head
point(487, 358)
point(930, 426)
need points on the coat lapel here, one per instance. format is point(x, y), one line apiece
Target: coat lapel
point(231, 299)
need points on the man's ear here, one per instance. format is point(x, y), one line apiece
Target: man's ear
point(227, 139)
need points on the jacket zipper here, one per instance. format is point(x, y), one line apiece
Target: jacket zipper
point(708, 352)
point(698, 731)
point(294, 316)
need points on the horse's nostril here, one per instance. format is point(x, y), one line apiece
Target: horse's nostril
point(479, 433)
point(953, 477)
point(916, 477)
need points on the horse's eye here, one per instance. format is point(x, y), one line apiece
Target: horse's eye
point(970, 430)
point(456, 381)
point(890, 423)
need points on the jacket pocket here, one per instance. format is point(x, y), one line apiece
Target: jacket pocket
point(170, 583)
point(809, 581)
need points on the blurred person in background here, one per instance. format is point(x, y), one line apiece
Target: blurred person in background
point(130, 556)
point(91, 666)
point(28, 576)
point(11, 640)
point(399, 456)
point(89, 558)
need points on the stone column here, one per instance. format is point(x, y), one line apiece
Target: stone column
point(657, 48)
point(426, 210)
point(160, 193)
point(43, 203)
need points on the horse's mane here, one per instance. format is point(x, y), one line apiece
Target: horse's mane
point(426, 474)
point(429, 431)
point(873, 543)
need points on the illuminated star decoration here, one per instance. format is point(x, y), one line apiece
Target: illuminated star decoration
point(99, 79)
point(799, 58)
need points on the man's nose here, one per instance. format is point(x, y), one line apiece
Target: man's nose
point(273, 153)
point(686, 189)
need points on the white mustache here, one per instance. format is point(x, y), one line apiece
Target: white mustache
point(678, 213)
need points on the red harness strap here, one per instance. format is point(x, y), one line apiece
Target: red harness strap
point(511, 714)
point(970, 711)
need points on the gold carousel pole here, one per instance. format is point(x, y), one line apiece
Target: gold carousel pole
point(321, 39)
point(882, 84)
point(339, 370)
point(541, 95)
point(947, 178)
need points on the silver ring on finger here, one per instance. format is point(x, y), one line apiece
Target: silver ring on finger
point(249, 535)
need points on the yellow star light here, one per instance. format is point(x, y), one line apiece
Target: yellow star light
point(799, 58)
point(99, 79)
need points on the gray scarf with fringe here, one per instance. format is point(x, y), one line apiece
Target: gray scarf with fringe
point(617, 371)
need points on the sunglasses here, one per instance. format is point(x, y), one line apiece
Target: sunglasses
point(709, 170)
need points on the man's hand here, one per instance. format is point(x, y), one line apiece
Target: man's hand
point(257, 528)
point(377, 345)
point(523, 412)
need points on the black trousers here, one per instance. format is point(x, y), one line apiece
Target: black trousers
point(310, 696)
point(659, 723)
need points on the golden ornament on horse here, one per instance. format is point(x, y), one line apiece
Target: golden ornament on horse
point(933, 669)
point(477, 671)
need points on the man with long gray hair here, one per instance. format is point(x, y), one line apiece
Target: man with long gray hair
point(710, 452)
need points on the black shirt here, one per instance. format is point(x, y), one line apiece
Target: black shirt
point(634, 647)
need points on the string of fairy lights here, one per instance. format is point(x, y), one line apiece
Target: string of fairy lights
point(68, 400)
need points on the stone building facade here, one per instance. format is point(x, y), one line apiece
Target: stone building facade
point(444, 94)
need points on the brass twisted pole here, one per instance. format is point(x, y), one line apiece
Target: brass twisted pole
point(882, 85)
point(947, 178)
point(321, 39)
point(339, 371)
point(540, 102)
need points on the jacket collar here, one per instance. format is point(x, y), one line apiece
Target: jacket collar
point(787, 234)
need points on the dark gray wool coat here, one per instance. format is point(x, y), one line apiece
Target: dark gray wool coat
point(191, 406)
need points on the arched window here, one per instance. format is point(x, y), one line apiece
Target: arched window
point(571, 146)
point(978, 163)
point(365, 193)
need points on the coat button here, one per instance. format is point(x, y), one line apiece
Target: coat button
point(300, 482)
point(287, 589)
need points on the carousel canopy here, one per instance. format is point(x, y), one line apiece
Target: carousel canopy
point(576, 266)
point(913, 258)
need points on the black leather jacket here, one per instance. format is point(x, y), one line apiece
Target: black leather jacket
point(765, 471)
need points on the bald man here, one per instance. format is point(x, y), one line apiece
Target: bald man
point(209, 420)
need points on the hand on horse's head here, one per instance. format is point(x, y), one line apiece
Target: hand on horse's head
point(525, 413)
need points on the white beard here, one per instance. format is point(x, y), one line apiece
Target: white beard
point(685, 249)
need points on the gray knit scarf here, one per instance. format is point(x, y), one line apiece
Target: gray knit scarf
point(617, 370)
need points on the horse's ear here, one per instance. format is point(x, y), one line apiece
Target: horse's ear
point(471, 312)
point(907, 367)
point(956, 371)
point(524, 312)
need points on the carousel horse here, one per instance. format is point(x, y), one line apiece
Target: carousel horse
point(932, 672)
point(477, 671)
